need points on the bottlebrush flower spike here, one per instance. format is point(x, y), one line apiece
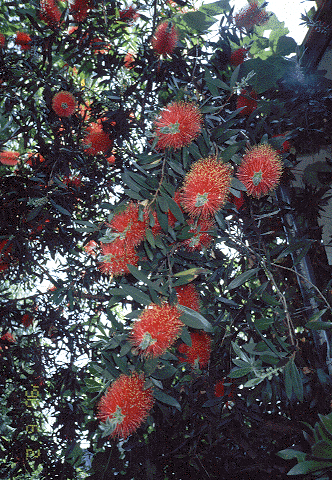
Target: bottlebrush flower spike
point(205, 187)
point(34, 158)
point(116, 256)
point(188, 296)
point(165, 38)
point(8, 337)
point(177, 125)
point(24, 40)
point(27, 320)
point(91, 247)
point(198, 355)
point(128, 61)
point(64, 104)
point(128, 227)
point(201, 238)
point(50, 13)
point(96, 141)
point(247, 100)
point(126, 405)
point(260, 170)
point(79, 10)
point(250, 16)
point(219, 389)
point(238, 56)
point(156, 329)
point(286, 145)
point(9, 158)
point(129, 15)
point(2, 40)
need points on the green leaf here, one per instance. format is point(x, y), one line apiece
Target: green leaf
point(215, 8)
point(228, 153)
point(167, 399)
point(319, 325)
point(240, 372)
point(327, 422)
point(309, 466)
point(175, 209)
point(185, 337)
point(136, 294)
point(140, 275)
point(244, 277)
point(322, 449)
point(289, 454)
point(164, 371)
point(59, 208)
point(253, 382)
point(193, 319)
point(240, 353)
point(296, 381)
point(198, 21)
point(286, 46)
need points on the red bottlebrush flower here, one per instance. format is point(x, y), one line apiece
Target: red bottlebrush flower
point(79, 10)
point(156, 329)
point(250, 16)
point(198, 355)
point(201, 238)
point(111, 159)
point(27, 320)
point(238, 56)
point(260, 170)
point(286, 145)
point(126, 404)
point(129, 15)
point(8, 337)
point(188, 296)
point(116, 256)
point(177, 125)
point(128, 227)
point(64, 104)
point(4, 255)
point(34, 158)
point(73, 181)
point(50, 13)
point(9, 158)
point(205, 187)
point(96, 141)
point(238, 201)
point(100, 46)
point(128, 61)
point(165, 38)
point(23, 39)
point(2, 40)
point(91, 247)
point(219, 389)
point(247, 100)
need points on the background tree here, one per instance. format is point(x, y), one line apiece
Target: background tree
point(155, 322)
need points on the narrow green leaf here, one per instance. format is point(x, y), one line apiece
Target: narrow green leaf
point(244, 277)
point(296, 381)
point(309, 466)
point(253, 382)
point(289, 454)
point(136, 294)
point(140, 275)
point(185, 337)
point(288, 380)
point(167, 399)
point(240, 372)
point(193, 319)
point(322, 449)
point(59, 208)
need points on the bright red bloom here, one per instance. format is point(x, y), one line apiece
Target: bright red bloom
point(260, 170)
point(73, 181)
point(79, 10)
point(129, 15)
point(219, 389)
point(50, 13)
point(64, 104)
point(2, 40)
point(238, 56)
point(34, 158)
point(128, 227)
point(247, 100)
point(126, 404)
point(23, 39)
point(250, 16)
point(111, 159)
point(165, 38)
point(116, 256)
point(198, 355)
point(8, 337)
point(238, 201)
point(177, 125)
point(285, 147)
point(129, 59)
point(96, 140)
point(205, 187)
point(9, 158)
point(188, 296)
point(90, 247)
point(156, 329)
point(201, 238)
point(100, 46)
point(27, 320)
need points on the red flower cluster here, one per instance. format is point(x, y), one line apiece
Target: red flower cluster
point(260, 170)
point(73, 181)
point(9, 158)
point(129, 15)
point(286, 145)
point(129, 60)
point(126, 404)
point(247, 100)
point(128, 227)
point(238, 56)
point(156, 329)
point(96, 141)
point(237, 201)
point(188, 296)
point(4, 255)
point(34, 158)
point(27, 320)
point(2, 40)
point(64, 104)
point(90, 248)
point(24, 40)
point(201, 238)
point(79, 10)
point(165, 38)
point(198, 355)
point(50, 13)
point(205, 187)
point(250, 16)
point(8, 337)
point(177, 125)
point(219, 389)
point(116, 256)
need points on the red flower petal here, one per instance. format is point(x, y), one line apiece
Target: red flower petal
point(64, 104)
point(198, 355)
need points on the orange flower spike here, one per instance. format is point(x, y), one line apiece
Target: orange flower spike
point(206, 187)
point(156, 329)
point(126, 404)
point(96, 141)
point(8, 337)
point(91, 247)
point(177, 125)
point(165, 38)
point(128, 225)
point(198, 355)
point(9, 158)
point(64, 104)
point(116, 257)
point(188, 296)
point(23, 40)
point(34, 158)
point(260, 170)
